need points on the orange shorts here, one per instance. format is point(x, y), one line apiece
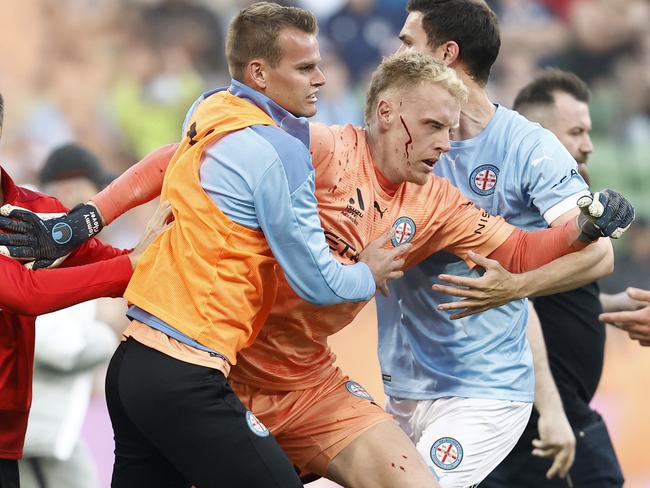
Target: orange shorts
point(312, 426)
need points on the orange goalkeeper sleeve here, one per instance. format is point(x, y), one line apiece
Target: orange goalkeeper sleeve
point(139, 184)
point(523, 251)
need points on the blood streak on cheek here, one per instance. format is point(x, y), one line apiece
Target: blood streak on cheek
point(410, 141)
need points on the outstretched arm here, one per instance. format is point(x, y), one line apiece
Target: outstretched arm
point(139, 184)
point(540, 276)
point(637, 322)
point(29, 292)
point(48, 237)
point(567, 272)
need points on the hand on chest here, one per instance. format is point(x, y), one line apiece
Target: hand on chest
point(355, 214)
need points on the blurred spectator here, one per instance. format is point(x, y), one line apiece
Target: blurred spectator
point(158, 83)
point(55, 106)
point(363, 31)
point(70, 343)
point(337, 102)
point(633, 76)
point(603, 31)
point(559, 8)
point(530, 37)
point(73, 175)
point(322, 9)
point(194, 28)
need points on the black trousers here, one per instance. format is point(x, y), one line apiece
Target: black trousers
point(9, 473)
point(177, 424)
point(595, 465)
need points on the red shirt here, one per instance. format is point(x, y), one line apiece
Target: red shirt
point(24, 294)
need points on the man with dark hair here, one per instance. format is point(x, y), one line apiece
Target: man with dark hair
point(558, 100)
point(100, 271)
point(574, 337)
point(464, 389)
point(471, 24)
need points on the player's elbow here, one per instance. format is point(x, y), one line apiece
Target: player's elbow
point(317, 297)
point(316, 292)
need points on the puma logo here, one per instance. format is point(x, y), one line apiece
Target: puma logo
point(378, 209)
point(537, 161)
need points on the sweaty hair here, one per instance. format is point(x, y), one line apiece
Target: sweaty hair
point(408, 69)
point(540, 91)
point(254, 33)
point(469, 23)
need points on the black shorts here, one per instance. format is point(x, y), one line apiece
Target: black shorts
point(9, 473)
point(595, 465)
point(177, 424)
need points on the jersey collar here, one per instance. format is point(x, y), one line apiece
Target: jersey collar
point(298, 127)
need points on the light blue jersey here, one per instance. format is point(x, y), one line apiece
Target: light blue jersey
point(518, 170)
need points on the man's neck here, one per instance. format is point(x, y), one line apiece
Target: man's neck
point(377, 151)
point(476, 113)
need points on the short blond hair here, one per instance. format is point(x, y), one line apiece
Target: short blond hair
point(254, 32)
point(407, 69)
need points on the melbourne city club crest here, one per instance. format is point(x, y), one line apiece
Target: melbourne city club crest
point(357, 390)
point(254, 424)
point(446, 453)
point(404, 228)
point(483, 179)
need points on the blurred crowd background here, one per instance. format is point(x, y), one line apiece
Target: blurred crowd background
point(117, 77)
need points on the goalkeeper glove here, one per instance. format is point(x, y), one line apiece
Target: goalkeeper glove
point(604, 214)
point(46, 238)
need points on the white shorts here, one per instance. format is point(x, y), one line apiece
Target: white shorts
point(461, 439)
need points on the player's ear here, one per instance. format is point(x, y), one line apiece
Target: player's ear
point(255, 74)
point(384, 113)
point(449, 52)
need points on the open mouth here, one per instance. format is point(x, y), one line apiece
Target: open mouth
point(429, 162)
point(312, 98)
